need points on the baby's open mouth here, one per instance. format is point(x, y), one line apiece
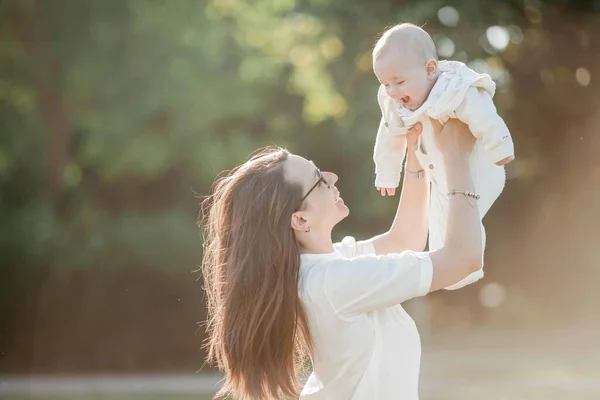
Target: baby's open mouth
point(405, 99)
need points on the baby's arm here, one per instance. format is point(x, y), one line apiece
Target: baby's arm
point(479, 112)
point(388, 156)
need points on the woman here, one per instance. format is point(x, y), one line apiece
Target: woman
point(279, 290)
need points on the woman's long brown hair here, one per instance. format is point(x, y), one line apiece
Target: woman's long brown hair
point(257, 329)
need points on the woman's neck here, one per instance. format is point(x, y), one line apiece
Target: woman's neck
point(315, 242)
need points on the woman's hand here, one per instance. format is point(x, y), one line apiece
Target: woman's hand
point(454, 139)
point(412, 137)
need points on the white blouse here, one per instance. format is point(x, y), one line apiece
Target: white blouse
point(366, 346)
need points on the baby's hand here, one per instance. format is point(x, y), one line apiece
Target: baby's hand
point(389, 191)
point(506, 160)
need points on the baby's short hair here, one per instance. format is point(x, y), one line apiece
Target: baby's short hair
point(406, 37)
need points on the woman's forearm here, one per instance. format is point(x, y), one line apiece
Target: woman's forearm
point(410, 225)
point(462, 252)
point(463, 234)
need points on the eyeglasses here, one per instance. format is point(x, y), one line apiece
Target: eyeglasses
point(321, 179)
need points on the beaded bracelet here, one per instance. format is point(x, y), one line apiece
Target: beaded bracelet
point(468, 194)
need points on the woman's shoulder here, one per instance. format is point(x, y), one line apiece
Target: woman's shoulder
point(317, 272)
point(312, 281)
point(350, 247)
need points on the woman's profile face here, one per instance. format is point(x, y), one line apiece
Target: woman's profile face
point(324, 206)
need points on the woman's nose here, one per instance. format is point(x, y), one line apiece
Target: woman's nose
point(330, 177)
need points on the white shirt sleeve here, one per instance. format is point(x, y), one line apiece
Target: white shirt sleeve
point(479, 112)
point(367, 283)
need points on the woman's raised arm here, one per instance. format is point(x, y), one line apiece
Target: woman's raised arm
point(410, 225)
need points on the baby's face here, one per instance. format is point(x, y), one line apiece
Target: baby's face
point(404, 77)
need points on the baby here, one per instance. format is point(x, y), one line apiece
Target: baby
point(415, 87)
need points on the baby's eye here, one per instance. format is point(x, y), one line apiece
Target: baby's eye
point(400, 83)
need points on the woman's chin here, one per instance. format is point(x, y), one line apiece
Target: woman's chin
point(345, 211)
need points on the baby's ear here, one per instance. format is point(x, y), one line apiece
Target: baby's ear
point(431, 68)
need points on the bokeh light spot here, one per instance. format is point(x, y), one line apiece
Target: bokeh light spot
point(583, 76)
point(448, 16)
point(445, 47)
point(498, 37)
point(492, 295)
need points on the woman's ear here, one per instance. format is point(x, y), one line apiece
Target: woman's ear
point(299, 223)
point(431, 68)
